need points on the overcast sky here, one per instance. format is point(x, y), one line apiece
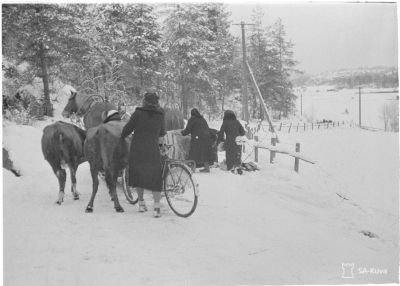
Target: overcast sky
point(329, 36)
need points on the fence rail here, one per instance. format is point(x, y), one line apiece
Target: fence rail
point(303, 127)
point(296, 127)
point(273, 148)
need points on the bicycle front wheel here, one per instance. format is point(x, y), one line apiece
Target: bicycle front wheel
point(130, 194)
point(180, 189)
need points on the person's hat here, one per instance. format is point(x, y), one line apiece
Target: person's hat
point(151, 98)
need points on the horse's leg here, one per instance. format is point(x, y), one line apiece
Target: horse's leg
point(111, 180)
point(95, 179)
point(62, 177)
point(72, 170)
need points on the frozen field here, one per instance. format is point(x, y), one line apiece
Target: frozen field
point(321, 102)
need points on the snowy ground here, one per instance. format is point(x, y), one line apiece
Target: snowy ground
point(273, 226)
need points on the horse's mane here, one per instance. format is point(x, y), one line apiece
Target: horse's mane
point(85, 101)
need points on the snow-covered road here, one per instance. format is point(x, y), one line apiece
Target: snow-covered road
point(273, 226)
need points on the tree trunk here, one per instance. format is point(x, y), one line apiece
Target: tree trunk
point(184, 98)
point(48, 108)
point(96, 81)
point(224, 93)
point(223, 99)
point(104, 75)
point(254, 105)
point(141, 73)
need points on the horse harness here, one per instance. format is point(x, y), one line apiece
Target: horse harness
point(83, 110)
point(87, 104)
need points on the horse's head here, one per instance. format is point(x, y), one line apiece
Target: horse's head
point(72, 105)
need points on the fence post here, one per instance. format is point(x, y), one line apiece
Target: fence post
point(312, 125)
point(297, 129)
point(256, 149)
point(296, 160)
point(304, 126)
point(272, 153)
point(290, 127)
point(280, 127)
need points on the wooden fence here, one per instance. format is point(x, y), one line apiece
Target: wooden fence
point(302, 126)
point(273, 148)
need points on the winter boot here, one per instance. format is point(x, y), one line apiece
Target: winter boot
point(157, 212)
point(157, 207)
point(206, 168)
point(142, 207)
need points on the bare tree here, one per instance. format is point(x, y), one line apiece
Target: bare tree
point(390, 116)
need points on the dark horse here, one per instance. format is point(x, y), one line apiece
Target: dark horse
point(62, 146)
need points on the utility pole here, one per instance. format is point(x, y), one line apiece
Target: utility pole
point(245, 97)
point(359, 106)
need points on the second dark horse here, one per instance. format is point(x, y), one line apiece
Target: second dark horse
point(106, 152)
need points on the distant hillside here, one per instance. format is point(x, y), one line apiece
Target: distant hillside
point(378, 77)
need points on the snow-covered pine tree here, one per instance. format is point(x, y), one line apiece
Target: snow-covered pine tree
point(271, 58)
point(283, 63)
point(42, 35)
point(198, 48)
point(227, 67)
point(125, 50)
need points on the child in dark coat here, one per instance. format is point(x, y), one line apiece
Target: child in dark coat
point(231, 128)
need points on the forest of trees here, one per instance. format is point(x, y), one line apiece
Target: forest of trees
point(117, 51)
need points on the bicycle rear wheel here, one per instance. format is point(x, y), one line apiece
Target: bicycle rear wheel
point(130, 194)
point(180, 189)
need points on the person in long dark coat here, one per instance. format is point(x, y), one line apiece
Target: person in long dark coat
point(232, 128)
point(145, 168)
point(200, 143)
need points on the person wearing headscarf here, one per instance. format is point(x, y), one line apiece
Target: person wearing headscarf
point(145, 168)
point(200, 143)
point(230, 129)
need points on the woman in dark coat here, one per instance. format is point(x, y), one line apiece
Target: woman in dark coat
point(232, 128)
point(145, 168)
point(200, 143)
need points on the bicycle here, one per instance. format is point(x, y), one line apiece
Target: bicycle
point(178, 185)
